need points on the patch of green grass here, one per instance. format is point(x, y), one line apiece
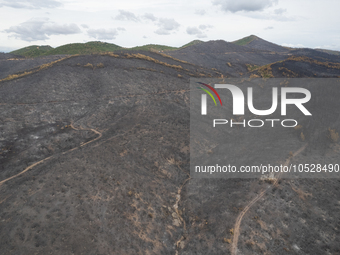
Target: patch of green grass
point(68, 49)
point(245, 40)
point(95, 47)
point(157, 47)
point(191, 43)
point(32, 51)
point(252, 67)
point(84, 48)
point(153, 47)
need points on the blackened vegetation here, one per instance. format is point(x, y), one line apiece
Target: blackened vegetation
point(118, 194)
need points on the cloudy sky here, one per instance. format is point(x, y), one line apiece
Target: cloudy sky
point(296, 23)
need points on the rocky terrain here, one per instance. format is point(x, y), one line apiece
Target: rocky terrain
point(94, 159)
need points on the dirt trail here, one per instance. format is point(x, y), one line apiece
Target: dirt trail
point(78, 129)
point(65, 152)
point(178, 198)
point(25, 170)
point(102, 98)
point(252, 202)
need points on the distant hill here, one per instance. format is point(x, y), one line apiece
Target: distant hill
point(89, 48)
point(319, 55)
point(258, 43)
point(332, 52)
point(217, 46)
point(68, 49)
point(192, 43)
point(157, 47)
point(247, 44)
point(32, 51)
point(228, 58)
point(245, 40)
point(84, 48)
point(153, 47)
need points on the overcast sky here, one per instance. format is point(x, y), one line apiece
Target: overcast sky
point(296, 23)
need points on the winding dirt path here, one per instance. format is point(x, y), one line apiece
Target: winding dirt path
point(178, 198)
point(48, 158)
point(252, 202)
point(102, 98)
point(78, 129)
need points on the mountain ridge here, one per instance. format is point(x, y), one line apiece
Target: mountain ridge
point(93, 47)
point(255, 42)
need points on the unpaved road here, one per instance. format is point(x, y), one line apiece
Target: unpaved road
point(252, 202)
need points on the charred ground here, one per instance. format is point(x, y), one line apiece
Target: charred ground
point(112, 134)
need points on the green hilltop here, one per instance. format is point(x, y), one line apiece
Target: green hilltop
point(153, 47)
point(89, 48)
point(96, 47)
point(157, 47)
point(191, 43)
point(32, 51)
point(245, 40)
point(68, 49)
point(83, 48)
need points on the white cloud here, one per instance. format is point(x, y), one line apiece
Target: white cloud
point(126, 15)
point(195, 31)
point(200, 12)
point(269, 16)
point(103, 34)
point(149, 16)
point(30, 4)
point(328, 46)
point(166, 26)
point(244, 5)
point(205, 27)
point(280, 11)
point(39, 29)
point(293, 45)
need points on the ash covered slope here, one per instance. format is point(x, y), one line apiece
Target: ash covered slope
point(113, 195)
point(17, 64)
point(309, 64)
point(258, 43)
point(117, 130)
point(253, 55)
point(6, 56)
point(226, 57)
